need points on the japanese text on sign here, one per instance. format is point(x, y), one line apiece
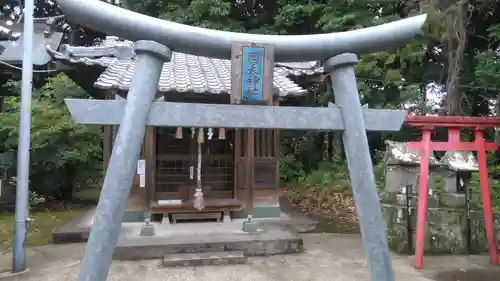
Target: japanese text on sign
point(252, 73)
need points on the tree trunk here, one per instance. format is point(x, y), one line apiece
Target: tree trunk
point(67, 185)
point(337, 147)
point(497, 131)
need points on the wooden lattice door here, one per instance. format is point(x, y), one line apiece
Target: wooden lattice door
point(176, 164)
point(218, 166)
point(266, 155)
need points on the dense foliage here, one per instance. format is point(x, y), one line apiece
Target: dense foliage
point(452, 69)
point(63, 155)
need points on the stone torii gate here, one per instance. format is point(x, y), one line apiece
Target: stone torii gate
point(155, 41)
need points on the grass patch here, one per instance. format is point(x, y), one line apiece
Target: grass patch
point(327, 191)
point(40, 230)
point(87, 195)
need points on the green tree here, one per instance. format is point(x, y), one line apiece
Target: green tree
point(381, 74)
point(455, 59)
point(63, 155)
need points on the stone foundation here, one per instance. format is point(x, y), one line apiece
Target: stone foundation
point(212, 237)
point(446, 230)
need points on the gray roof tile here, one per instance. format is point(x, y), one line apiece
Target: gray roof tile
point(184, 73)
point(11, 51)
point(309, 68)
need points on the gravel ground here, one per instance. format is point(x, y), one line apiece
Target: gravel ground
point(328, 257)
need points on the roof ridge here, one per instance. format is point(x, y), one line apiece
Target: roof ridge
point(114, 47)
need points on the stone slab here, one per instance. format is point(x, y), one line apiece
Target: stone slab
point(208, 258)
point(202, 238)
point(78, 230)
point(70, 234)
point(75, 231)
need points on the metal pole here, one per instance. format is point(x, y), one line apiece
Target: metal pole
point(467, 212)
point(23, 156)
point(123, 162)
point(373, 231)
point(409, 230)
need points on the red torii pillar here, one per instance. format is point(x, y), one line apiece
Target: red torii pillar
point(427, 146)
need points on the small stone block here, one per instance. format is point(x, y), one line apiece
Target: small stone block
point(401, 199)
point(250, 226)
point(147, 230)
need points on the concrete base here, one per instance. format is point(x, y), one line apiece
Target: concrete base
point(251, 226)
point(8, 275)
point(226, 218)
point(79, 230)
point(212, 237)
point(147, 230)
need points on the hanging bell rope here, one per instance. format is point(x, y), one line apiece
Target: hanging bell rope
point(199, 201)
point(178, 133)
point(222, 133)
point(193, 132)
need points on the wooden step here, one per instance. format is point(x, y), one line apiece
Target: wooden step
point(197, 216)
point(209, 258)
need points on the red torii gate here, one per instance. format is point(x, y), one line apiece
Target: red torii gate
point(427, 146)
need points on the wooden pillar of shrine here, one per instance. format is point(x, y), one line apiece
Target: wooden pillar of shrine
point(252, 70)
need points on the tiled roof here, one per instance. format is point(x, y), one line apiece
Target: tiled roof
point(302, 68)
point(11, 49)
point(184, 73)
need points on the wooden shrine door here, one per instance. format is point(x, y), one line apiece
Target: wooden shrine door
point(177, 159)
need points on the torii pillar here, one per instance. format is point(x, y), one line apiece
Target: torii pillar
point(123, 162)
point(360, 166)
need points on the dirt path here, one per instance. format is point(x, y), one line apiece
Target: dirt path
point(328, 257)
point(469, 275)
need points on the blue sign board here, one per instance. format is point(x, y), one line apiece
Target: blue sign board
point(252, 86)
